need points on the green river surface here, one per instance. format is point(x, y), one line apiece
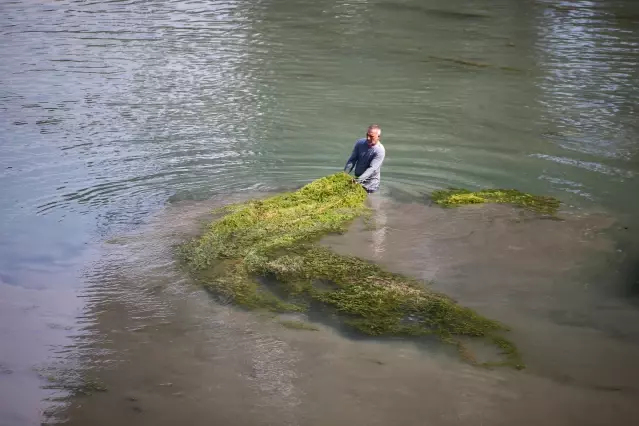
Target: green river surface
point(124, 122)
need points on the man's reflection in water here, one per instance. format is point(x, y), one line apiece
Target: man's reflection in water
point(378, 224)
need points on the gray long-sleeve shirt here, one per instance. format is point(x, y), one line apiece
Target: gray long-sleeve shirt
point(367, 162)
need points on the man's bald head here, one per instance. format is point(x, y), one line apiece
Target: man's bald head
point(373, 133)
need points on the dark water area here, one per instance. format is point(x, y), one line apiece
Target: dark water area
point(123, 122)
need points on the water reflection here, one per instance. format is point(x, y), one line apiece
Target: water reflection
point(589, 65)
point(589, 62)
point(378, 224)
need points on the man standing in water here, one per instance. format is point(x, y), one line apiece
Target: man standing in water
point(367, 158)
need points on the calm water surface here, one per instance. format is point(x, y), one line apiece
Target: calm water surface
point(123, 122)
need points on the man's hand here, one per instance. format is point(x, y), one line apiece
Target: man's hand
point(354, 180)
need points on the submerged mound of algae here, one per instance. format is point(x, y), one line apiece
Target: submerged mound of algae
point(264, 254)
point(455, 196)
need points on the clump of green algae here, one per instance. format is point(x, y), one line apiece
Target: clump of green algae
point(275, 240)
point(455, 196)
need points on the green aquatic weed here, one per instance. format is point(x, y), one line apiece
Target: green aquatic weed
point(455, 197)
point(264, 254)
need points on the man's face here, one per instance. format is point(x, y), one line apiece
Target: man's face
point(372, 136)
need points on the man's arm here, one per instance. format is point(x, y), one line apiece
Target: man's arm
point(352, 160)
point(376, 163)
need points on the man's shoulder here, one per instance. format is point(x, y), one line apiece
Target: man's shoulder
point(380, 147)
point(360, 141)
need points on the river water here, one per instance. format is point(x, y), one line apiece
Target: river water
point(122, 123)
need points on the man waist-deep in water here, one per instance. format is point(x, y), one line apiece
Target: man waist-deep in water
point(367, 158)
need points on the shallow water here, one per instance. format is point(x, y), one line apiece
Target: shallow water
point(176, 355)
point(120, 121)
